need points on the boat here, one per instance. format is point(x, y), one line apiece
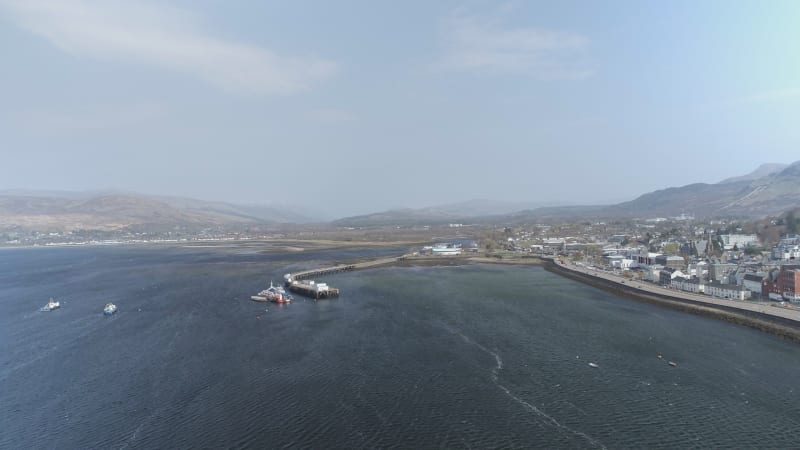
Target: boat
point(673, 363)
point(274, 294)
point(51, 305)
point(593, 365)
point(109, 309)
point(660, 356)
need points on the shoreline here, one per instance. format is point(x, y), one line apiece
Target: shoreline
point(767, 321)
point(783, 327)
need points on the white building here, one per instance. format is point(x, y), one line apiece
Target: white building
point(698, 269)
point(732, 291)
point(739, 241)
point(788, 248)
point(446, 249)
point(688, 284)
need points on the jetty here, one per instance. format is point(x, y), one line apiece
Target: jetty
point(301, 283)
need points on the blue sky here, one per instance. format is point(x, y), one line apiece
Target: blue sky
point(358, 106)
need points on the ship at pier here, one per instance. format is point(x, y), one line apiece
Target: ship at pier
point(275, 294)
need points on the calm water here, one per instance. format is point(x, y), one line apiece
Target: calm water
point(474, 356)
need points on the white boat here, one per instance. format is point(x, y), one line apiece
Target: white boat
point(273, 294)
point(109, 309)
point(593, 365)
point(51, 305)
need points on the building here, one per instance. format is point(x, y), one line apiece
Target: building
point(675, 262)
point(740, 241)
point(445, 249)
point(752, 282)
point(720, 271)
point(698, 269)
point(725, 290)
point(787, 249)
point(667, 274)
point(644, 259)
point(782, 284)
point(652, 273)
point(688, 284)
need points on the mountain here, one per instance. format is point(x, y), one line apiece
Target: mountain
point(400, 217)
point(769, 190)
point(485, 207)
point(751, 196)
point(761, 172)
point(111, 211)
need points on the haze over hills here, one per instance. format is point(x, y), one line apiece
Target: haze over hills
point(769, 190)
point(113, 211)
point(761, 172)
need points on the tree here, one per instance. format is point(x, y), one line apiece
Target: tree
point(792, 225)
point(672, 248)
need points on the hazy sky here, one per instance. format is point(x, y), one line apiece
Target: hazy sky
point(367, 105)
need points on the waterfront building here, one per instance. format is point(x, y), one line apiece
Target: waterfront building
point(688, 284)
point(782, 284)
point(445, 249)
point(725, 290)
point(752, 282)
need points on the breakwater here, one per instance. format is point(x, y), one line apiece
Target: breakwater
point(778, 326)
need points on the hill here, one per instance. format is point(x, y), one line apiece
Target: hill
point(746, 197)
point(769, 190)
point(113, 211)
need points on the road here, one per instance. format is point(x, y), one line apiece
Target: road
point(764, 307)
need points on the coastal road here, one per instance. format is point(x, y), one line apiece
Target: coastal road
point(768, 308)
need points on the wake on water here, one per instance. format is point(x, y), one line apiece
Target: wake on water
point(495, 379)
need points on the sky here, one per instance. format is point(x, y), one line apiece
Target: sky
point(351, 107)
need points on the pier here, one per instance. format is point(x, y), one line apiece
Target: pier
point(313, 290)
point(298, 283)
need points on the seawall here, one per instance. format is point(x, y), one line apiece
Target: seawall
point(778, 326)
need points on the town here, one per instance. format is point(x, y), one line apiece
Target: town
point(724, 259)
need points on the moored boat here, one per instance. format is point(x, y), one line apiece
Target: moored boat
point(51, 305)
point(274, 294)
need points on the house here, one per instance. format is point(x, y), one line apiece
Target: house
point(667, 274)
point(688, 284)
point(725, 290)
point(752, 282)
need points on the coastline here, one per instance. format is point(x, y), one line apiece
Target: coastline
point(784, 327)
point(778, 322)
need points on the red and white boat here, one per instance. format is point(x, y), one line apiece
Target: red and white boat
point(274, 294)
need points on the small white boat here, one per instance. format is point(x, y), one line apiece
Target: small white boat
point(593, 365)
point(109, 309)
point(673, 364)
point(51, 305)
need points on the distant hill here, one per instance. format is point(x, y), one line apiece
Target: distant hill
point(486, 207)
point(470, 211)
point(400, 217)
point(769, 190)
point(746, 196)
point(111, 211)
point(761, 172)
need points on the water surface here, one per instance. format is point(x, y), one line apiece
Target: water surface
point(471, 356)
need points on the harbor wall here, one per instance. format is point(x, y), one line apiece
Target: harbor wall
point(778, 326)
